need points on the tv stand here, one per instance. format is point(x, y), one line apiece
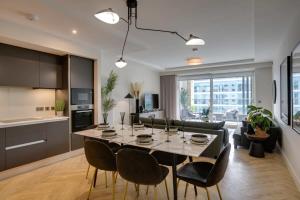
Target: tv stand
point(159, 114)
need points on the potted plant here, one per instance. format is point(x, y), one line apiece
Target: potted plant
point(59, 107)
point(107, 102)
point(205, 114)
point(260, 120)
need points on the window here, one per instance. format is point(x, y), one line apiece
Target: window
point(221, 93)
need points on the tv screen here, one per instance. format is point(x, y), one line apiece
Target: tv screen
point(155, 101)
point(148, 102)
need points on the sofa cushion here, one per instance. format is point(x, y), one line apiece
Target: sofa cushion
point(206, 125)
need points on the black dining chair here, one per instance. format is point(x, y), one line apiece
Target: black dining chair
point(205, 174)
point(140, 168)
point(100, 156)
point(114, 147)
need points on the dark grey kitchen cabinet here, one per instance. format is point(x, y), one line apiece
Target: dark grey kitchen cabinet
point(57, 137)
point(2, 149)
point(77, 141)
point(82, 72)
point(25, 144)
point(18, 66)
point(50, 71)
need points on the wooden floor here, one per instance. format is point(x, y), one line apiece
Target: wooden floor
point(246, 178)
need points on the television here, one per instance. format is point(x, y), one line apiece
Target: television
point(151, 102)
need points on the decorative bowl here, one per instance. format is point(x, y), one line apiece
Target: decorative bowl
point(144, 138)
point(199, 138)
point(108, 133)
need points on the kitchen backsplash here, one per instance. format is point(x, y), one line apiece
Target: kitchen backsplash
point(18, 102)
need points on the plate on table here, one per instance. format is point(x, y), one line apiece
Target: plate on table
point(144, 138)
point(199, 143)
point(108, 133)
point(144, 142)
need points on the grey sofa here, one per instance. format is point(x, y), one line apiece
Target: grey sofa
point(198, 127)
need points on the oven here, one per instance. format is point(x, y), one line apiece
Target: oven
point(81, 96)
point(82, 117)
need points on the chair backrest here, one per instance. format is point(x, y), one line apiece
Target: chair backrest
point(138, 167)
point(99, 155)
point(218, 171)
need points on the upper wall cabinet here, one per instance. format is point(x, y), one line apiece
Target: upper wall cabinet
point(28, 68)
point(50, 71)
point(18, 66)
point(82, 72)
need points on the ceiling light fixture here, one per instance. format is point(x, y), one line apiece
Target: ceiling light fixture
point(110, 17)
point(74, 31)
point(194, 61)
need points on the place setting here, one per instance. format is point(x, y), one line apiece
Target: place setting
point(199, 139)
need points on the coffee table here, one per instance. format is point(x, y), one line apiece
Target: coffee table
point(256, 146)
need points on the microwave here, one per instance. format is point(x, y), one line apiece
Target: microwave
point(81, 96)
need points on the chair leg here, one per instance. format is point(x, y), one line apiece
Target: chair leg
point(105, 179)
point(155, 193)
point(95, 179)
point(208, 197)
point(219, 192)
point(147, 190)
point(125, 192)
point(185, 191)
point(87, 172)
point(113, 184)
point(166, 184)
point(95, 174)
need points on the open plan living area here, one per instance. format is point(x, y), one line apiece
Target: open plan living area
point(149, 99)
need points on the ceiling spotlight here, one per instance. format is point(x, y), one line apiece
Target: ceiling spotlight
point(121, 63)
point(74, 31)
point(194, 61)
point(108, 16)
point(193, 40)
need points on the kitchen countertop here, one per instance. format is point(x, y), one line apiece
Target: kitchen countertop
point(29, 121)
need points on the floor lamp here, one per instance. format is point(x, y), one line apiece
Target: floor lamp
point(129, 96)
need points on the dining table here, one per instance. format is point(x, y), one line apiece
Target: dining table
point(171, 142)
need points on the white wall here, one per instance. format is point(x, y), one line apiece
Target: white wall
point(19, 102)
point(263, 87)
point(291, 140)
point(133, 72)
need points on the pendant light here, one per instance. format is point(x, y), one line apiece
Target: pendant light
point(120, 63)
point(108, 16)
point(193, 40)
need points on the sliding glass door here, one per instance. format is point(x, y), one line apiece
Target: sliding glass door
point(226, 95)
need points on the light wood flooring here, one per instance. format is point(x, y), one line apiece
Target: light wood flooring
point(246, 178)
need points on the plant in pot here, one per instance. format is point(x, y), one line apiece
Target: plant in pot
point(205, 114)
point(107, 102)
point(261, 121)
point(59, 107)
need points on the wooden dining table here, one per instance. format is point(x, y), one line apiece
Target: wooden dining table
point(175, 146)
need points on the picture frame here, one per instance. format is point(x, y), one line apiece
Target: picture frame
point(285, 90)
point(295, 88)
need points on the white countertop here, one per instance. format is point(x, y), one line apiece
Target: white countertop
point(31, 120)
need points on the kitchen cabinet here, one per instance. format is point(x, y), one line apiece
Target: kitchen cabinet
point(50, 71)
point(57, 138)
point(2, 149)
point(25, 144)
point(77, 141)
point(82, 72)
point(18, 66)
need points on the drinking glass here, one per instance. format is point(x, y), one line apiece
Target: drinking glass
point(132, 119)
point(168, 129)
point(182, 128)
point(122, 114)
point(152, 117)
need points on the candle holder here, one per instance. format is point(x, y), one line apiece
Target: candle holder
point(168, 129)
point(122, 114)
point(132, 120)
point(152, 117)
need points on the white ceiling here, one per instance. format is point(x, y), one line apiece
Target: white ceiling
point(232, 29)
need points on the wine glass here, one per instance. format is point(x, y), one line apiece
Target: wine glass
point(182, 129)
point(152, 117)
point(168, 129)
point(132, 119)
point(122, 114)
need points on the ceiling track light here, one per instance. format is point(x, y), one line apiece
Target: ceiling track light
point(110, 17)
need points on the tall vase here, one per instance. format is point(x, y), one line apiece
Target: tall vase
point(105, 115)
point(137, 115)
